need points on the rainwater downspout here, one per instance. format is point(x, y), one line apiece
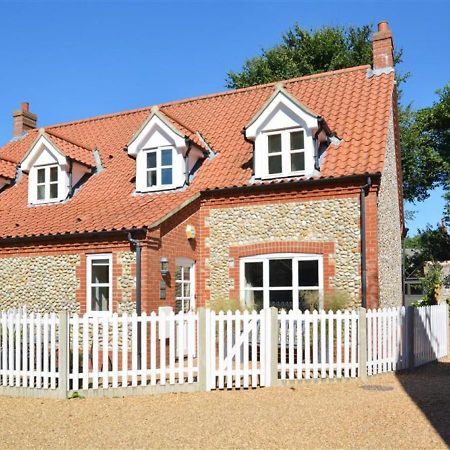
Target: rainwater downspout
point(363, 193)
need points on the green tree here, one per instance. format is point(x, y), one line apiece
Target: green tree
point(424, 134)
point(305, 52)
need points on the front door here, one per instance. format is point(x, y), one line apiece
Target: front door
point(184, 285)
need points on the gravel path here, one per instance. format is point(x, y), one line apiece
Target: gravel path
point(329, 414)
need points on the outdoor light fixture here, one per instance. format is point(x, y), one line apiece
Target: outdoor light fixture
point(164, 266)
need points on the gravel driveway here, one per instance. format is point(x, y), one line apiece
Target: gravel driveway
point(406, 411)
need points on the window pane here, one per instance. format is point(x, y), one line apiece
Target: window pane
point(151, 160)
point(280, 272)
point(54, 190)
point(187, 289)
point(166, 176)
point(275, 164)
point(308, 300)
point(274, 143)
point(41, 192)
point(308, 273)
point(100, 274)
point(281, 299)
point(178, 290)
point(297, 140)
point(187, 273)
point(151, 178)
point(53, 174)
point(416, 289)
point(41, 176)
point(166, 157)
point(178, 273)
point(297, 161)
point(254, 299)
point(253, 274)
point(99, 298)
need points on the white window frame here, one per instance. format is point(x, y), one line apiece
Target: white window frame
point(159, 167)
point(186, 262)
point(265, 258)
point(89, 285)
point(47, 183)
point(285, 152)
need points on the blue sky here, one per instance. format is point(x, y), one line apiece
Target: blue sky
point(78, 59)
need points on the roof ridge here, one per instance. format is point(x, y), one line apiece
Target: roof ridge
point(207, 96)
point(58, 136)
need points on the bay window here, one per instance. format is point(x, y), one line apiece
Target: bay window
point(99, 284)
point(286, 281)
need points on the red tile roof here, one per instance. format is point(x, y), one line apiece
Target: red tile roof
point(7, 169)
point(355, 106)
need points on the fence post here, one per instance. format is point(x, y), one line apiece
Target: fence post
point(63, 354)
point(362, 343)
point(272, 357)
point(409, 316)
point(203, 366)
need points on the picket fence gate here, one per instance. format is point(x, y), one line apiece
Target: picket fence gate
point(58, 354)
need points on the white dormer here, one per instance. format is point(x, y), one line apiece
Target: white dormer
point(51, 173)
point(160, 150)
point(48, 172)
point(283, 132)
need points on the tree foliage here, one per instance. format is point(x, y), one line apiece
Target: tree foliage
point(424, 134)
point(425, 142)
point(305, 52)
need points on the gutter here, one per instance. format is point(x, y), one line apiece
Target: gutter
point(362, 196)
point(87, 234)
point(290, 182)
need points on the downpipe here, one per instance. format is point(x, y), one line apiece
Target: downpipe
point(362, 201)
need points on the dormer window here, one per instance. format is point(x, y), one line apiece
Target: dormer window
point(159, 167)
point(285, 153)
point(285, 135)
point(47, 183)
point(164, 155)
point(55, 166)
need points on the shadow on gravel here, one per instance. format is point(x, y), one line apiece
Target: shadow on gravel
point(429, 387)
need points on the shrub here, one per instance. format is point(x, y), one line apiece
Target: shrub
point(336, 300)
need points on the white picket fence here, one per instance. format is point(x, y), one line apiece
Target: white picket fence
point(105, 351)
point(431, 329)
point(29, 349)
point(207, 350)
point(318, 345)
point(386, 340)
point(237, 349)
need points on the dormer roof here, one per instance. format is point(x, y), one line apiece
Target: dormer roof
point(62, 149)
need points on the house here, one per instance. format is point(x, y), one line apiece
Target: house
point(275, 195)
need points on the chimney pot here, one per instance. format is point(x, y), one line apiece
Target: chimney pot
point(383, 26)
point(383, 47)
point(23, 120)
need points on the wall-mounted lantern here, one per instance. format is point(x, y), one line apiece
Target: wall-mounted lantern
point(190, 232)
point(164, 266)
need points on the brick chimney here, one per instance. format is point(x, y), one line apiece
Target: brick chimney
point(383, 47)
point(23, 120)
